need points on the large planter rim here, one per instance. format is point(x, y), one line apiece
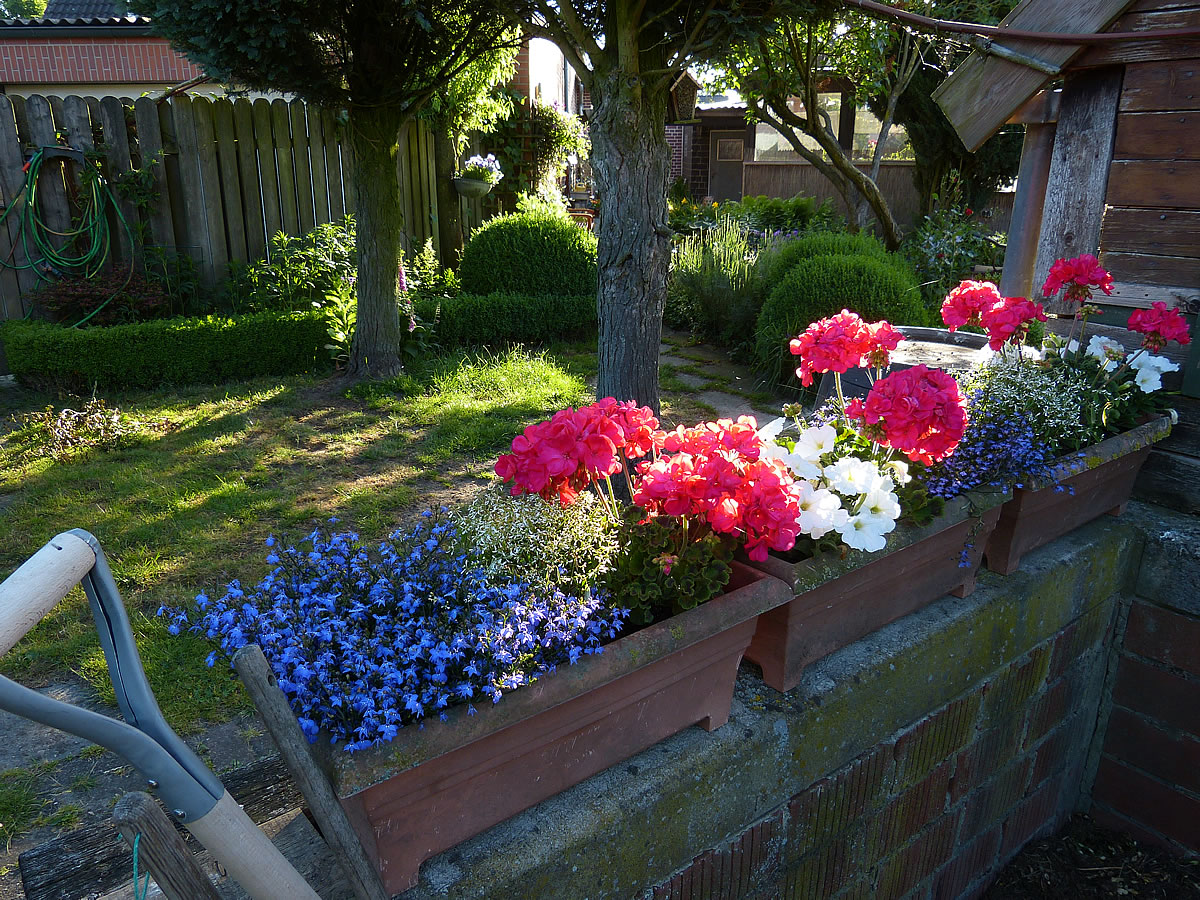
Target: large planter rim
point(1107, 450)
point(418, 743)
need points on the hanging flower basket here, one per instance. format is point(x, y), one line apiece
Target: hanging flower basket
point(432, 787)
point(1084, 486)
point(472, 188)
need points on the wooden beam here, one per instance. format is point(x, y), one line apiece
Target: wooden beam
point(161, 850)
point(1040, 109)
point(981, 94)
point(1020, 254)
point(1079, 168)
point(1144, 268)
point(1158, 135)
point(1140, 296)
point(1166, 232)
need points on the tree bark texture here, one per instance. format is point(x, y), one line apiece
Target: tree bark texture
point(374, 134)
point(450, 233)
point(631, 163)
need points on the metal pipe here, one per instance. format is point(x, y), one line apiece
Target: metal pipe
point(1046, 37)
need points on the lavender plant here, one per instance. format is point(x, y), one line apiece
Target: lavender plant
point(366, 640)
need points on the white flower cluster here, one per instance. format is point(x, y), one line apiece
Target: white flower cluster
point(854, 497)
point(525, 537)
point(1149, 368)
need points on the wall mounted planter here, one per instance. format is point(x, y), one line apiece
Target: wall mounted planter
point(839, 600)
point(1084, 486)
point(435, 786)
point(472, 187)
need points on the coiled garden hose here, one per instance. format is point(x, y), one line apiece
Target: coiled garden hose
point(85, 246)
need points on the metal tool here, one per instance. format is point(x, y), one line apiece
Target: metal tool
point(187, 787)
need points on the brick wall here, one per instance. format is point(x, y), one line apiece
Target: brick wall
point(698, 177)
point(936, 810)
point(92, 60)
point(675, 142)
point(1148, 781)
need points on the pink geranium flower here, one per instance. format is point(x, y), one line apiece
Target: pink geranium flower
point(840, 343)
point(919, 411)
point(1158, 325)
point(1009, 320)
point(1077, 277)
point(965, 304)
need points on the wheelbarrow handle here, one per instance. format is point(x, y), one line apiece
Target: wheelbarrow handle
point(35, 588)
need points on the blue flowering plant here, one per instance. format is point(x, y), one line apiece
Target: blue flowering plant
point(366, 639)
point(482, 168)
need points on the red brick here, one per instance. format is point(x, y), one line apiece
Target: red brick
point(1165, 636)
point(1038, 814)
point(1062, 747)
point(991, 803)
point(1159, 694)
point(833, 804)
point(1006, 696)
point(968, 864)
point(935, 740)
point(982, 759)
point(1106, 818)
point(1174, 758)
point(824, 872)
point(908, 868)
point(1063, 652)
point(1047, 711)
point(749, 863)
point(1171, 812)
point(909, 813)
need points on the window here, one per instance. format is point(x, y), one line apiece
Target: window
point(730, 149)
point(771, 146)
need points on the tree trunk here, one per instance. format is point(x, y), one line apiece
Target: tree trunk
point(450, 233)
point(631, 163)
point(374, 133)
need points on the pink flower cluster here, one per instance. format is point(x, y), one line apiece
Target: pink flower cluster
point(841, 343)
point(561, 457)
point(715, 473)
point(1158, 325)
point(980, 303)
point(1077, 276)
point(919, 411)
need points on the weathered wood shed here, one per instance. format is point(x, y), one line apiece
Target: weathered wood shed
point(1111, 160)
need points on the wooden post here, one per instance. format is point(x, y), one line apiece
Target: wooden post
point(161, 850)
point(1024, 231)
point(1082, 156)
point(314, 785)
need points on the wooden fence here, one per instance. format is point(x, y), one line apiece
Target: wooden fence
point(231, 173)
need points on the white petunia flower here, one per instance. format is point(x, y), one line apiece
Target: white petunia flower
point(863, 533)
point(814, 443)
point(820, 511)
point(854, 476)
point(1148, 380)
point(1159, 364)
point(1109, 352)
point(898, 469)
point(882, 505)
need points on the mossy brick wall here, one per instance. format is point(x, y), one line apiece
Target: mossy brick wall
point(1148, 779)
point(913, 763)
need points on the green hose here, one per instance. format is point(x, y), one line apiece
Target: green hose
point(85, 246)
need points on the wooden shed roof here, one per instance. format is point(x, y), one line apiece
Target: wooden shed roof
point(982, 93)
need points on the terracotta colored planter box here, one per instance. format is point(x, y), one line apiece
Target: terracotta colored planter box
point(435, 786)
point(1086, 485)
point(841, 600)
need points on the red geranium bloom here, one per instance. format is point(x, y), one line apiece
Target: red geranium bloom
point(919, 411)
point(840, 343)
point(1158, 325)
point(1009, 320)
point(1077, 276)
point(965, 304)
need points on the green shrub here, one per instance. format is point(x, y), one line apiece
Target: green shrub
point(822, 286)
point(529, 253)
point(302, 270)
point(771, 214)
point(171, 351)
point(471, 319)
point(777, 257)
point(947, 247)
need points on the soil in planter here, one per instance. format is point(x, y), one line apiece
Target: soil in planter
point(1087, 862)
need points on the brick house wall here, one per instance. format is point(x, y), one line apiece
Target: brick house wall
point(141, 59)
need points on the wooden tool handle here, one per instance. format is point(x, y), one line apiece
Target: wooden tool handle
point(35, 588)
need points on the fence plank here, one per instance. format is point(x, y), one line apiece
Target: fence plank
point(193, 216)
point(177, 206)
point(267, 167)
point(333, 164)
point(210, 180)
point(14, 282)
point(281, 119)
point(348, 185)
point(304, 190)
point(116, 151)
point(231, 190)
point(150, 143)
point(247, 162)
point(316, 154)
point(51, 186)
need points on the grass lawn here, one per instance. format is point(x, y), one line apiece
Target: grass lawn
point(187, 502)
